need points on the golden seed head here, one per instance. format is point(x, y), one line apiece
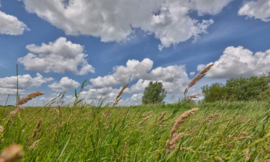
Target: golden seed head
point(1, 128)
point(12, 153)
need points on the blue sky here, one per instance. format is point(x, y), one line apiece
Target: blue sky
point(162, 41)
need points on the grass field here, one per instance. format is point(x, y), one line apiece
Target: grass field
point(239, 132)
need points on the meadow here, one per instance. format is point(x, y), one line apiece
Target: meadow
point(220, 131)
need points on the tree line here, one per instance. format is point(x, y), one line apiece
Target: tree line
point(255, 88)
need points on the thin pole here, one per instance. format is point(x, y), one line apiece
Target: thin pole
point(17, 83)
point(7, 100)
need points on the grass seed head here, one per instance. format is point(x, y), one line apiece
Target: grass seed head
point(162, 116)
point(118, 98)
point(122, 90)
point(39, 123)
point(146, 118)
point(34, 144)
point(35, 94)
point(30, 96)
point(14, 111)
point(12, 153)
point(181, 119)
point(1, 128)
point(171, 144)
point(211, 118)
point(147, 114)
point(198, 77)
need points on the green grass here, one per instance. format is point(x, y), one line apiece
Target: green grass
point(115, 134)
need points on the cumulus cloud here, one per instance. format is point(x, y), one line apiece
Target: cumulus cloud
point(212, 7)
point(192, 73)
point(138, 87)
point(97, 94)
point(57, 57)
point(49, 97)
point(124, 74)
point(200, 67)
point(65, 84)
point(135, 99)
point(10, 25)
point(259, 9)
point(25, 81)
point(116, 20)
point(174, 78)
point(8, 85)
point(238, 61)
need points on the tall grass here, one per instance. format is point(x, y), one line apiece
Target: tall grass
point(239, 133)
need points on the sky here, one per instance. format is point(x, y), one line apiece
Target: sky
point(58, 44)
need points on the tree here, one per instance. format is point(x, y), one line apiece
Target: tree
point(215, 92)
point(239, 89)
point(154, 93)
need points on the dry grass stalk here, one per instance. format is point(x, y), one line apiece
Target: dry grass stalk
point(187, 149)
point(201, 148)
point(69, 118)
point(1, 128)
point(50, 105)
point(162, 116)
point(146, 118)
point(34, 144)
point(35, 94)
point(12, 153)
point(247, 137)
point(171, 144)
point(191, 130)
point(181, 119)
point(247, 155)
point(198, 77)
point(37, 129)
point(147, 114)
point(195, 96)
point(30, 96)
point(117, 99)
point(14, 111)
point(39, 123)
point(211, 118)
point(60, 113)
point(122, 90)
point(21, 108)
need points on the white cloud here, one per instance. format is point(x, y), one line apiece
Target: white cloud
point(10, 25)
point(49, 97)
point(124, 74)
point(65, 84)
point(97, 94)
point(200, 67)
point(8, 91)
point(58, 57)
point(8, 85)
point(138, 87)
point(212, 7)
point(192, 73)
point(259, 9)
point(174, 78)
point(237, 61)
point(135, 99)
point(115, 20)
